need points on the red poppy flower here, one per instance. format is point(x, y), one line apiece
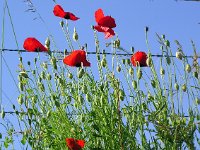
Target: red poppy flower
point(58, 11)
point(139, 59)
point(105, 23)
point(31, 44)
point(74, 144)
point(76, 58)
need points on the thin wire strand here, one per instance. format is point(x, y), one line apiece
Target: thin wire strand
point(107, 53)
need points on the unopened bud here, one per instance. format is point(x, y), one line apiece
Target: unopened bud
point(23, 74)
point(188, 68)
point(139, 74)
point(197, 101)
point(134, 84)
point(75, 35)
point(70, 75)
point(131, 71)
point(121, 94)
point(47, 42)
point(117, 43)
point(128, 61)
point(149, 62)
point(195, 74)
point(179, 55)
point(103, 62)
point(118, 69)
point(80, 73)
point(2, 114)
point(176, 86)
point(20, 100)
point(153, 83)
point(61, 23)
point(29, 63)
point(162, 71)
point(48, 76)
point(168, 60)
point(184, 88)
point(167, 43)
point(21, 86)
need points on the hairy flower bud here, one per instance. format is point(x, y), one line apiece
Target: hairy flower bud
point(103, 62)
point(184, 88)
point(139, 74)
point(149, 62)
point(117, 43)
point(75, 35)
point(47, 43)
point(61, 23)
point(70, 75)
point(176, 86)
point(179, 55)
point(167, 43)
point(131, 71)
point(20, 100)
point(134, 84)
point(81, 73)
point(195, 74)
point(118, 69)
point(23, 74)
point(162, 71)
point(188, 68)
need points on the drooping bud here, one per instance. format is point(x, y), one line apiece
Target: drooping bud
point(53, 62)
point(29, 63)
point(61, 23)
point(134, 84)
point(153, 83)
point(139, 74)
point(118, 69)
point(162, 71)
point(103, 62)
point(70, 75)
point(20, 100)
point(123, 61)
point(128, 61)
point(176, 86)
point(149, 62)
point(81, 73)
point(131, 71)
point(42, 75)
point(197, 100)
point(121, 94)
point(179, 55)
point(49, 76)
point(188, 68)
point(75, 35)
point(21, 86)
point(184, 88)
point(47, 43)
point(195, 74)
point(2, 114)
point(168, 60)
point(167, 43)
point(117, 43)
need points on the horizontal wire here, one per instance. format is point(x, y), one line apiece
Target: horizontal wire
point(107, 53)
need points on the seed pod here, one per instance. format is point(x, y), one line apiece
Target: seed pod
point(70, 75)
point(184, 88)
point(188, 68)
point(179, 55)
point(118, 69)
point(131, 71)
point(139, 74)
point(75, 35)
point(176, 86)
point(134, 84)
point(195, 74)
point(162, 71)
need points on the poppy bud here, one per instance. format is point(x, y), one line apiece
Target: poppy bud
point(2, 114)
point(42, 75)
point(176, 86)
point(118, 69)
point(128, 61)
point(35, 60)
point(70, 75)
point(47, 42)
point(29, 63)
point(153, 83)
point(23, 74)
point(184, 88)
point(134, 84)
point(168, 60)
point(33, 72)
point(21, 86)
point(179, 55)
point(123, 61)
point(162, 71)
point(131, 71)
point(139, 74)
point(20, 59)
point(103, 62)
point(121, 94)
point(163, 36)
point(61, 23)
point(188, 68)
point(167, 43)
point(80, 73)
point(195, 74)
point(75, 35)
point(20, 100)
point(197, 100)
point(149, 62)
point(117, 43)
point(53, 62)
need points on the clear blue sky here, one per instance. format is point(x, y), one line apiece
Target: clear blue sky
point(177, 20)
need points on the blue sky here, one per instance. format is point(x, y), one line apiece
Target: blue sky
point(177, 20)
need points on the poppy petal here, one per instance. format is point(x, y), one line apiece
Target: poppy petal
point(71, 16)
point(139, 58)
point(107, 21)
point(58, 11)
point(76, 58)
point(31, 44)
point(99, 15)
point(110, 33)
point(81, 143)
